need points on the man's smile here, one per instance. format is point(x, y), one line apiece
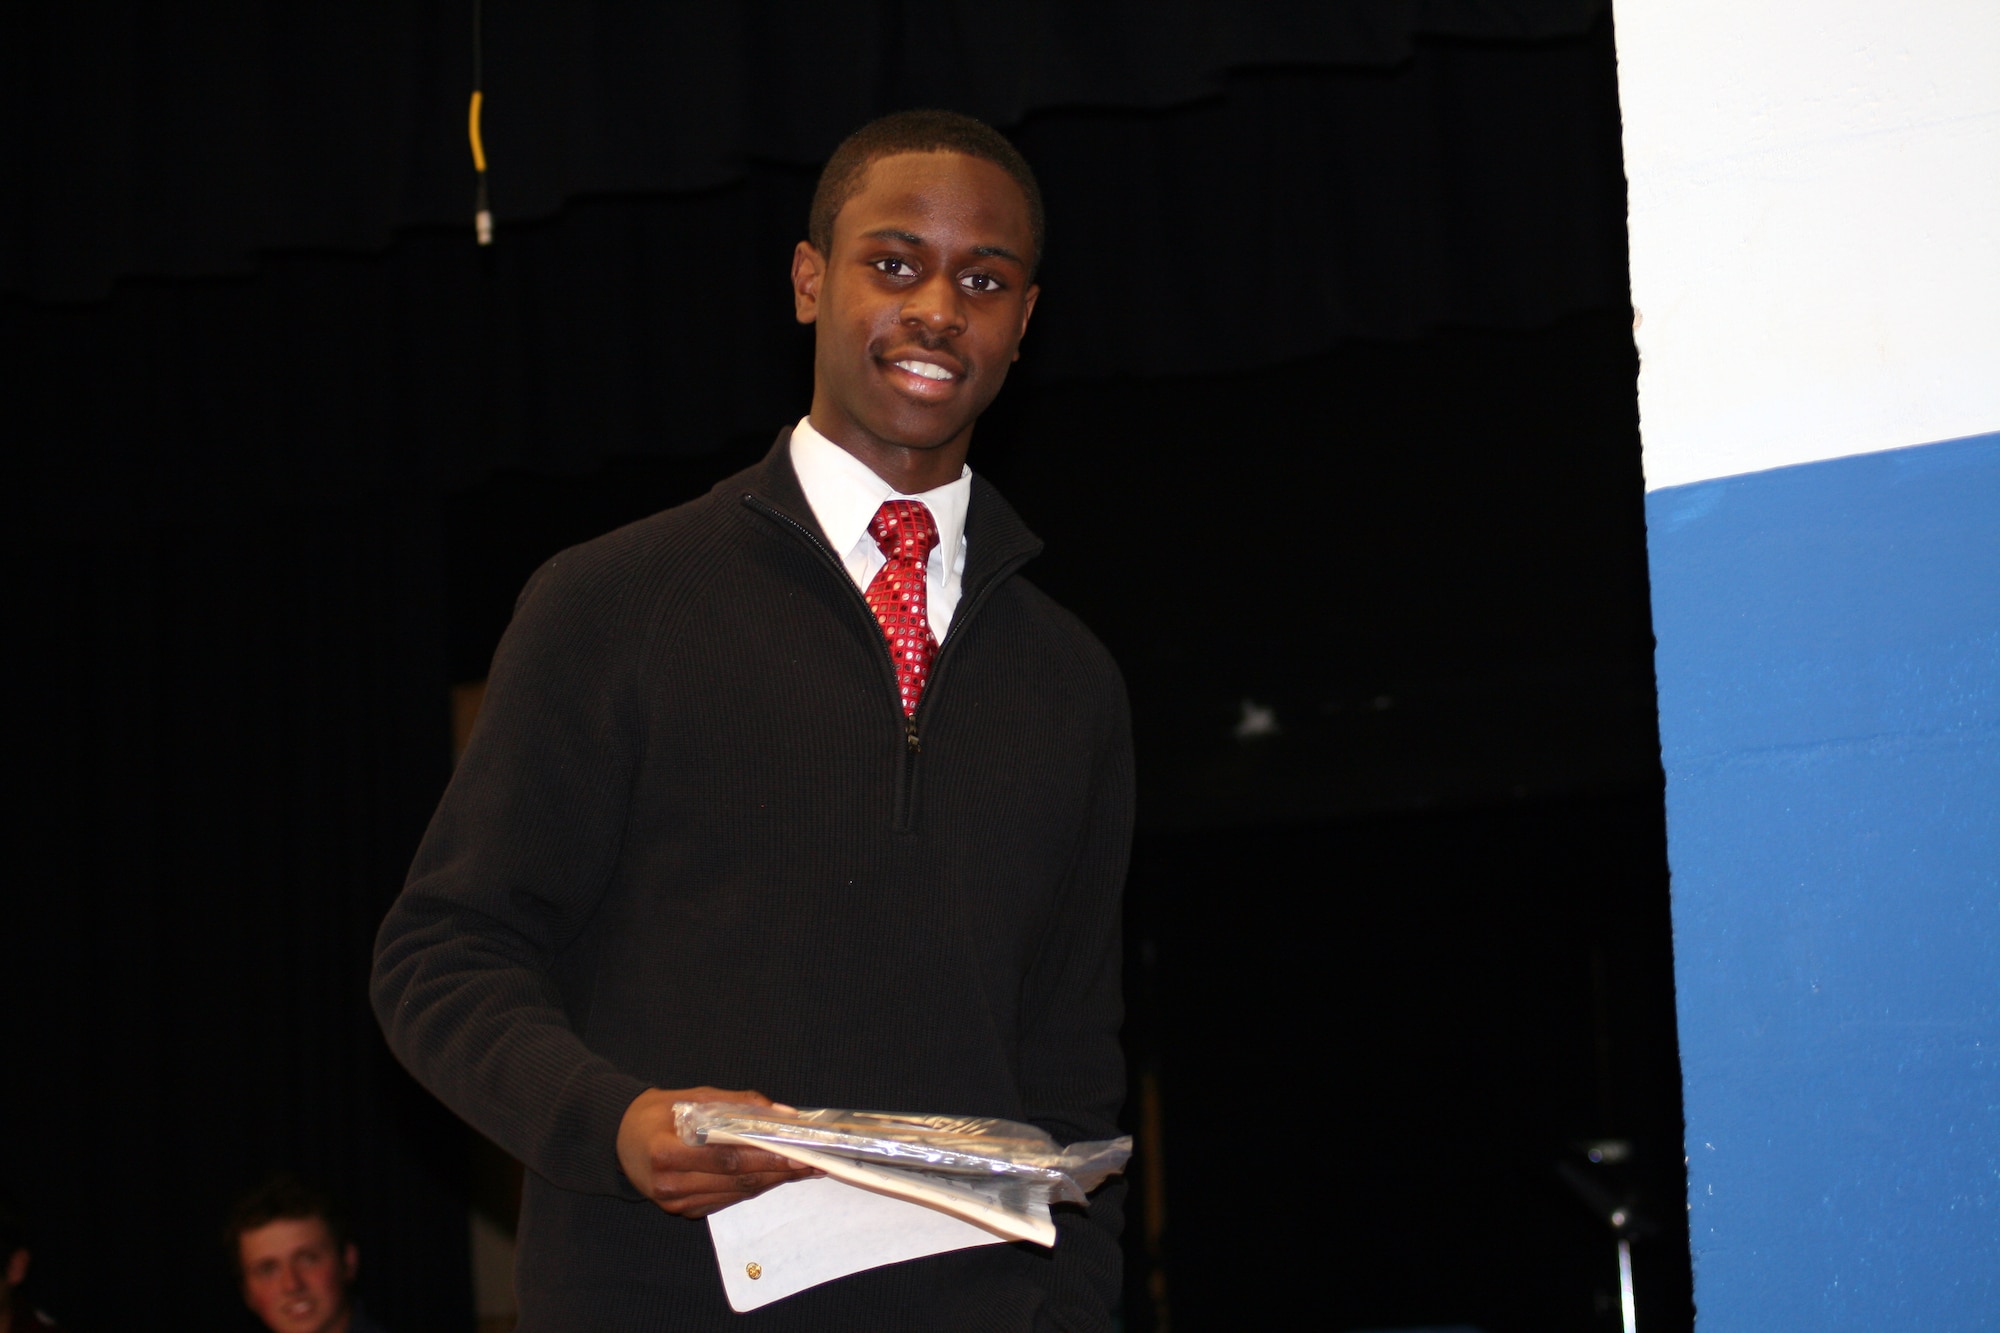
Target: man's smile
point(924, 375)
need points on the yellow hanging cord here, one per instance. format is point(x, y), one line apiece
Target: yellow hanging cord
point(482, 212)
point(472, 127)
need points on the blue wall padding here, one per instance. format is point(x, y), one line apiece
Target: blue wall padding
point(1829, 672)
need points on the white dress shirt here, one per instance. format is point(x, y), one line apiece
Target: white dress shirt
point(844, 493)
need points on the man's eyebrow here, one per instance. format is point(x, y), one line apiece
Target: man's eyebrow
point(911, 238)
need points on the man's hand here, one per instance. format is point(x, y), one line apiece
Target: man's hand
point(685, 1180)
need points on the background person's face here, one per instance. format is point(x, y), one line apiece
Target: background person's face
point(921, 305)
point(12, 1275)
point(294, 1279)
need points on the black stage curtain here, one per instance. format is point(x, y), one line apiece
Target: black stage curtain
point(277, 482)
point(230, 733)
point(154, 139)
point(1454, 1000)
point(1468, 187)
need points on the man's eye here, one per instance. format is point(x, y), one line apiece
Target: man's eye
point(981, 282)
point(895, 268)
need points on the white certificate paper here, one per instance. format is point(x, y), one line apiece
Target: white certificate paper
point(812, 1231)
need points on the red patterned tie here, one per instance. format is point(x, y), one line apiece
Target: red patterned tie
point(906, 532)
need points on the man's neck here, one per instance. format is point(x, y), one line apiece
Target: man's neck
point(908, 469)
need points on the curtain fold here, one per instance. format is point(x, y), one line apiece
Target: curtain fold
point(147, 139)
point(1470, 187)
point(227, 740)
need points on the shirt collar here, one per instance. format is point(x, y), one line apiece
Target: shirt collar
point(844, 493)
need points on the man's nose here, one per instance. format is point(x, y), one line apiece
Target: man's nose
point(935, 304)
point(295, 1278)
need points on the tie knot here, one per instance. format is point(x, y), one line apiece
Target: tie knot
point(905, 530)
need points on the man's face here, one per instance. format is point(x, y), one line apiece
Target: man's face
point(922, 302)
point(294, 1279)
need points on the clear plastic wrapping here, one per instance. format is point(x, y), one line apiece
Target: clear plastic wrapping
point(1000, 1159)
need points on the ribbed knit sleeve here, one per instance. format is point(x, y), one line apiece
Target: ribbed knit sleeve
point(511, 870)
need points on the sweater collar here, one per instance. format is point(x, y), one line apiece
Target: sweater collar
point(995, 537)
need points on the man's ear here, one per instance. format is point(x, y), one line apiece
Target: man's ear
point(17, 1267)
point(808, 272)
point(350, 1261)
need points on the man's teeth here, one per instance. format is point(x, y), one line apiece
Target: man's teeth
point(924, 368)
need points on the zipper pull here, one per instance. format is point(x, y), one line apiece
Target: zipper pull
point(910, 735)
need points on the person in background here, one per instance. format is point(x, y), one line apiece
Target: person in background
point(295, 1259)
point(16, 1316)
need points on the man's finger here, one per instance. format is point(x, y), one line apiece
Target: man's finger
point(703, 1205)
point(698, 1205)
point(733, 1097)
point(671, 1183)
point(670, 1154)
point(757, 1182)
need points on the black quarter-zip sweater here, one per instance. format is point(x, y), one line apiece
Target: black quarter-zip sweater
point(694, 841)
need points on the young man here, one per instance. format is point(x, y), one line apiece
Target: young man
point(800, 787)
point(294, 1259)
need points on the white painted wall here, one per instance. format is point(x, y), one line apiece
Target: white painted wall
point(1815, 219)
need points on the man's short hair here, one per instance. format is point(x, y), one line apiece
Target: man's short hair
point(921, 131)
point(282, 1198)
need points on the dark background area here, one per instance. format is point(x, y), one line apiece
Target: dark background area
point(286, 443)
